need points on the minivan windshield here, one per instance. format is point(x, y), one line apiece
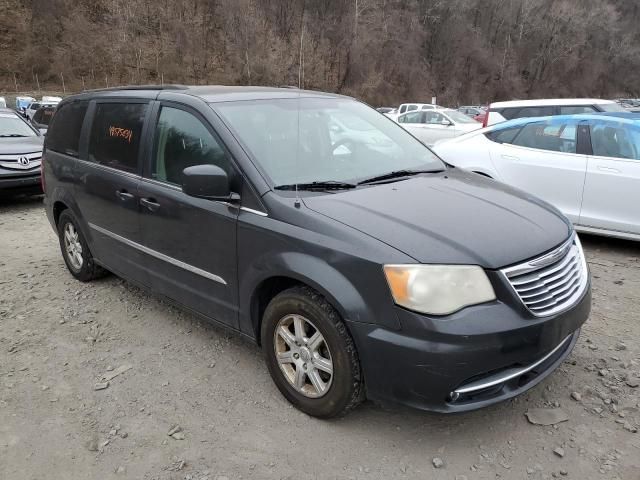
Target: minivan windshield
point(306, 140)
point(12, 126)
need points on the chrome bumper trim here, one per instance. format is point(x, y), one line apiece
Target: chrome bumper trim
point(509, 374)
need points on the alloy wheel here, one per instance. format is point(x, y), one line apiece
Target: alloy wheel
point(303, 356)
point(73, 246)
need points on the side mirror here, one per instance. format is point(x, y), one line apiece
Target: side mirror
point(446, 122)
point(208, 181)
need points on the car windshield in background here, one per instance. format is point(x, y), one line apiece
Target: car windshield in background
point(459, 117)
point(611, 107)
point(12, 126)
point(305, 140)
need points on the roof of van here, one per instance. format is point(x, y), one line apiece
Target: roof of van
point(550, 102)
point(209, 93)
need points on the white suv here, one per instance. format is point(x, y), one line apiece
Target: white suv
point(502, 111)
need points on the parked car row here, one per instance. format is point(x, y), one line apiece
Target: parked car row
point(587, 165)
point(20, 155)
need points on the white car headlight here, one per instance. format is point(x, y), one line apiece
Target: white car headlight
point(438, 289)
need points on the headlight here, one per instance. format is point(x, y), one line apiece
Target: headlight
point(438, 289)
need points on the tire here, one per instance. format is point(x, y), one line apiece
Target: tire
point(81, 266)
point(344, 387)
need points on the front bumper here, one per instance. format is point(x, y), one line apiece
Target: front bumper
point(11, 184)
point(437, 364)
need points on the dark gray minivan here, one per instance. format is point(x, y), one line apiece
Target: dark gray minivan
point(363, 265)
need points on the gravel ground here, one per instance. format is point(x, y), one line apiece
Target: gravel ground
point(61, 341)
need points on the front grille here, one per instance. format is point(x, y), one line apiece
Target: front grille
point(552, 283)
point(26, 161)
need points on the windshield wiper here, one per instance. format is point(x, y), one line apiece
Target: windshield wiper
point(395, 174)
point(328, 185)
point(12, 135)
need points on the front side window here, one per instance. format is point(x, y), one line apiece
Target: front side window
point(610, 107)
point(64, 134)
point(612, 139)
point(553, 136)
point(183, 141)
point(296, 141)
point(413, 117)
point(11, 126)
point(434, 118)
point(115, 135)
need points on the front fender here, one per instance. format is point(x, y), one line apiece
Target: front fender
point(322, 276)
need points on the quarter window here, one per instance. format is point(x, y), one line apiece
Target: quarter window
point(552, 136)
point(504, 135)
point(64, 134)
point(609, 139)
point(115, 135)
point(183, 141)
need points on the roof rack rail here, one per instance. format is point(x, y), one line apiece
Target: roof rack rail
point(289, 86)
point(139, 87)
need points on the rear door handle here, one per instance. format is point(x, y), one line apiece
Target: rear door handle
point(150, 204)
point(124, 195)
point(602, 168)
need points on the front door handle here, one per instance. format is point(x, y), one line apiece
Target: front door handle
point(602, 168)
point(150, 204)
point(124, 195)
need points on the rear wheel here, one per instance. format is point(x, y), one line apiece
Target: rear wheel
point(310, 354)
point(75, 250)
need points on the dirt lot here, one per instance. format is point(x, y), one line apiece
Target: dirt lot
point(59, 338)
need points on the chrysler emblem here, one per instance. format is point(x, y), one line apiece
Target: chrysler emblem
point(24, 161)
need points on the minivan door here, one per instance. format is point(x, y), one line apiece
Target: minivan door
point(107, 182)
point(190, 243)
point(612, 186)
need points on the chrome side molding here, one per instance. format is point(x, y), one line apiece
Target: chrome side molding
point(158, 255)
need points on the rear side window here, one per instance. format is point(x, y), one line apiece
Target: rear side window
point(524, 112)
point(64, 134)
point(615, 140)
point(551, 136)
point(115, 135)
point(576, 109)
point(504, 135)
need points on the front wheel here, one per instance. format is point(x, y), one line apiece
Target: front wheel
point(310, 354)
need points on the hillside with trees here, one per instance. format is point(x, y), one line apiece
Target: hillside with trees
point(383, 51)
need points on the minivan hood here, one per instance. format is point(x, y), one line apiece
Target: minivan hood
point(20, 145)
point(453, 217)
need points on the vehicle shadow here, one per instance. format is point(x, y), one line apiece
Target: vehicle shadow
point(615, 245)
point(22, 202)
